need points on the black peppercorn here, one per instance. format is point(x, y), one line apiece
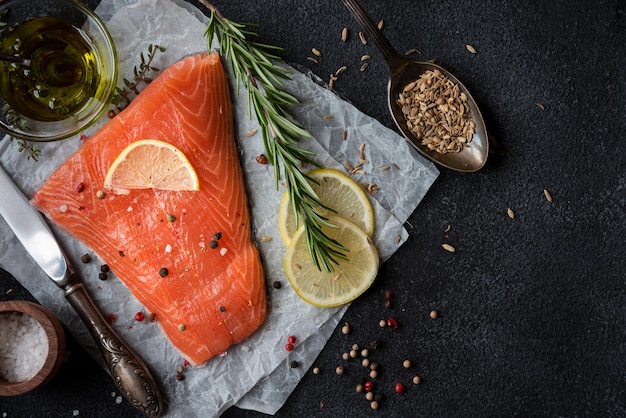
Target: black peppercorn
point(102, 276)
point(217, 236)
point(294, 364)
point(104, 268)
point(85, 258)
point(213, 244)
point(163, 272)
point(277, 284)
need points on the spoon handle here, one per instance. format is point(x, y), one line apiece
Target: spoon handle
point(16, 60)
point(372, 31)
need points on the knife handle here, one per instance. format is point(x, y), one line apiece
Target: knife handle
point(129, 372)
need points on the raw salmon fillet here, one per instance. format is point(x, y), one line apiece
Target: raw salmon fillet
point(210, 297)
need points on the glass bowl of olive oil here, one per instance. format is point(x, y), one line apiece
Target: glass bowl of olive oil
point(58, 68)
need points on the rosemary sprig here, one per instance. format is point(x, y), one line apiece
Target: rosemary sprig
point(123, 95)
point(254, 67)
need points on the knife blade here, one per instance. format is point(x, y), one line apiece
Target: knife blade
point(128, 370)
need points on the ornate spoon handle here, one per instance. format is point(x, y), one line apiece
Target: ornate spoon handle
point(127, 369)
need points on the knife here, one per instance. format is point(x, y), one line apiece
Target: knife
point(128, 370)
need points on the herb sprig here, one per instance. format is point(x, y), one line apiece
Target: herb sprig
point(124, 95)
point(255, 68)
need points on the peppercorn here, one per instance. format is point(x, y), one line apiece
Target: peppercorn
point(180, 376)
point(373, 374)
point(289, 347)
point(434, 314)
point(392, 323)
point(163, 272)
point(382, 323)
point(217, 236)
point(180, 369)
point(316, 370)
point(102, 276)
point(294, 364)
point(340, 370)
point(388, 304)
point(222, 309)
point(170, 217)
point(417, 380)
point(374, 344)
point(354, 354)
point(359, 388)
point(261, 159)
point(355, 347)
point(85, 258)
point(365, 362)
point(81, 187)
point(345, 356)
point(104, 268)
point(374, 365)
point(369, 396)
point(406, 364)
point(121, 253)
point(182, 327)
point(152, 317)
point(365, 352)
point(368, 385)
point(213, 244)
point(398, 388)
point(374, 405)
point(100, 194)
point(277, 284)
point(140, 316)
point(292, 339)
point(345, 329)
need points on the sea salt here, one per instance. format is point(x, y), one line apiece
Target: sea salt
point(168, 248)
point(23, 347)
point(63, 208)
point(223, 251)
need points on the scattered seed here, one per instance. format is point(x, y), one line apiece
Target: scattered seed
point(329, 117)
point(81, 187)
point(170, 217)
point(105, 268)
point(398, 388)
point(470, 48)
point(368, 386)
point(182, 327)
point(396, 166)
point(85, 258)
point(163, 272)
point(297, 266)
point(345, 356)
point(547, 195)
point(217, 236)
point(510, 212)
point(213, 244)
point(362, 37)
point(434, 314)
point(354, 354)
point(345, 329)
point(417, 380)
point(344, 134)
point(312, 60)
point(366, 57)
point(222, 309)
point(373, 374)
point(374, 405)
point(369, 396)
point(382, 323)
point(294, 364)
point(277, 284)
point(261, 159)
point(265, 238)
point(152, 317)
point(250, 132)
point(344, 34)
point(448, 247)
point(100, 194)
point(340, 370)
point(180, 377)
point(366, 362)
point(398, 238)
point(541, 106)
point(364, 66)
point(374, 344)
point(406, 364)
point(381, 24)
point(140, 316)
point(393, 323)
point(355, 347)
point(411, 51)
point(316, 52)
point(365, 352)
point(359, 388)
point(389, 294)
point(292, 339)
point(340, 70)
point(384, 168)
point(316, 370)
point(289, 347)
point(102, 276)
point(180, 369)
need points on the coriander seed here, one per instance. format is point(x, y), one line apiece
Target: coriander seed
point(340, 370)
point(406, 364)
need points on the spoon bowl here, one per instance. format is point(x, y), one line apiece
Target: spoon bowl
point(403, 71)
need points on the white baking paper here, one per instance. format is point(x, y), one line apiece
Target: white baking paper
point(254, 374)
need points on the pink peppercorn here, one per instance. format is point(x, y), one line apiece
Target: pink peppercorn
point(291, 339)
point(81, 187)
point(139, 316)
point(289, 347)
point(399, 388)
point(392, 323)
point(368, 386)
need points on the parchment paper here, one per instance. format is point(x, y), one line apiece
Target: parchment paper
point(254, 374)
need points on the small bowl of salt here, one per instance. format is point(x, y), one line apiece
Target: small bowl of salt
point(32, 347)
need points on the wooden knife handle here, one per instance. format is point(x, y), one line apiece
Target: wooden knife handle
point(129, 372)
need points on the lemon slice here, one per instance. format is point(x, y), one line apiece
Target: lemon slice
point(349, 279)
point(151, 164)
point(337, 191)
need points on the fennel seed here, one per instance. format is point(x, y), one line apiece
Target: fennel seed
point(547, 195)
point(364, 67)
point(340, 70)
point(381, 24)
point(541, 106)
point(362, 37)
point(470, 48)
point(384, 168)
point(316, 52)
point(411, 51)
point(250, 132)
point(510, 212)
point(448, 247)
point(366, 57)
point(313, 60)
point(344, 134)
point(344, 35)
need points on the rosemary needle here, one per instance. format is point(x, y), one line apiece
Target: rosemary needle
point(254, 67)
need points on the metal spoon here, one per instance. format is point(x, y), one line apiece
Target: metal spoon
point(15, 60)
point(403, 71)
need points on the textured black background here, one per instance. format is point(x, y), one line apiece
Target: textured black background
point(532, 310)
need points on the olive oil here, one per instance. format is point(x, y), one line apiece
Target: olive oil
point(64, 73)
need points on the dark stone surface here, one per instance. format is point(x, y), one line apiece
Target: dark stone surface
point(532, 310)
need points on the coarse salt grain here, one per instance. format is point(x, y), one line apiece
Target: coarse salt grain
point(23, 347)
point(63, 208)
point(118, 400)
point(223, 251)
point(168, 248)
point(76, 412)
